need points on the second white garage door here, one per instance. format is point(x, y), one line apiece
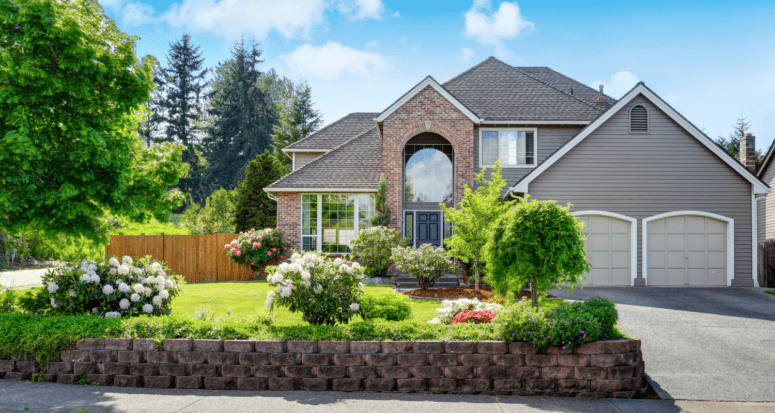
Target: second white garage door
point(687, 250)
point(609, 250)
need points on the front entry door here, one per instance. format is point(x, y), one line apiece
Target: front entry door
point(428, 228)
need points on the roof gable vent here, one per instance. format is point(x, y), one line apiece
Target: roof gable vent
point(639, 119)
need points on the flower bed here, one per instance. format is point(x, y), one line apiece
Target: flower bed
point(600, 369)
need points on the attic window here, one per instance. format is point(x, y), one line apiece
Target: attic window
point(639, 119)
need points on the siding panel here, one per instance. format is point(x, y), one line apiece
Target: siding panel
point(640, 175)
point(766, 208)
point(303, 158)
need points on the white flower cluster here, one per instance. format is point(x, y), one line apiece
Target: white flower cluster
point(123, 288)
point(450, 308)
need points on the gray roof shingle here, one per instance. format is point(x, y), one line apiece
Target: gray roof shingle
point(566, 84)
point(497, 91)
point(334, 134)
point(354, 164)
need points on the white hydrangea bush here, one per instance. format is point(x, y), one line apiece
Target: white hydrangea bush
point(326, 291)
point(450, 308)
point(113, 288)
point(427, 263)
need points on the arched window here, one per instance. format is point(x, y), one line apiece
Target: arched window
point(639, 119)
point(428, 169)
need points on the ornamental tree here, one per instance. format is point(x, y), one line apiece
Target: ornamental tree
point(373, 246)
point(72, 92)
point(427, 263)
point(252, 206)
point(538, 242)
point(477, 211)
point(382, 215)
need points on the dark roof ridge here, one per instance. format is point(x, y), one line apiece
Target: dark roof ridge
point(556, 88)
point(472, 68)
point(323, 128)
point(325, 154)
point(569, 78)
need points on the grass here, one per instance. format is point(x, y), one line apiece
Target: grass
point(772, 292)
point(153, 227)
point(247, 299)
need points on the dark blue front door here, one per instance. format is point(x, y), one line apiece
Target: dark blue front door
point(428, 228)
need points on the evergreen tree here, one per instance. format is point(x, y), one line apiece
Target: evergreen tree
point(181, 85)
point(731, 145)
point(252, 206)
point(242, 116)
point(151, 128)
point(382, 215)
point(296, 122)
point(279, 89)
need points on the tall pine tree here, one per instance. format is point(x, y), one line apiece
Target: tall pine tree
point(242, 116)
point(252, 206)
point(297, 121)
point(151, 130)
point(182, 84)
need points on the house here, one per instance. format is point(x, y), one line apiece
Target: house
point(664, 205)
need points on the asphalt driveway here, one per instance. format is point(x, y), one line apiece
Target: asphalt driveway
point(700, 343)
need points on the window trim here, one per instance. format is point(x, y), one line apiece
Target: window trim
point(648, 119)
point(319, 235)
point(535, 146)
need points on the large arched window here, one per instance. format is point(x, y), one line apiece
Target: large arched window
point(428, 169)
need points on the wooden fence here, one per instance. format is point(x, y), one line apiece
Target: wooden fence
point(198, 258)
point(767, 263)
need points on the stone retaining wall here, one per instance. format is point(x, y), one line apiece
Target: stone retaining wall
point(600, 369)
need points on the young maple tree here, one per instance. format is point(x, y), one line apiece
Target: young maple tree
point(477, 211)
point(538, 242)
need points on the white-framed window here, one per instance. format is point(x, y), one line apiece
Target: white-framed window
point(329, 222)
point(514, 147)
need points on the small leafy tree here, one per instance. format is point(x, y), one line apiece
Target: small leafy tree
point(373, 247)
point(478, 210)
point(427, 263)
point(537, 242)
point(252, 206)
point(216, 216)
point(382, 215)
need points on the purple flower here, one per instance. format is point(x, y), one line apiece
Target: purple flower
point(606, 308)
point(563, 347)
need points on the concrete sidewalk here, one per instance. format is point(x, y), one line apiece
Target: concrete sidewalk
point(20, 279)
point(39, 397)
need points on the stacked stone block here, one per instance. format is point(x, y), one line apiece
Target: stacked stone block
point(600, 369)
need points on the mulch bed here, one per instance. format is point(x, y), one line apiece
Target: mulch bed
point(484, 294)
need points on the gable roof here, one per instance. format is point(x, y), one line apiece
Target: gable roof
point(353, 166)
point(496, 91)
point(766, 161)
point(334, 134)
point(641, 89)
point(566, 84)
point(428, 81)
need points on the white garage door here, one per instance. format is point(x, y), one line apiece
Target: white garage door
point(687, 250)
point(608, 250)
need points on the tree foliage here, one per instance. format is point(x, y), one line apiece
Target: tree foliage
point(242, 116)
point(252, 206)
point(537, 242)
point(73, 90)
point(731, 144)
point(382, 212)
point(297, 120)
point(178, 105)
point(472, 220)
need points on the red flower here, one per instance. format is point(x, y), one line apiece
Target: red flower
point(274, 249)
point(285, 248)
point(269, 253)
point(476, 317)
point(252, 229)
point(253, 263)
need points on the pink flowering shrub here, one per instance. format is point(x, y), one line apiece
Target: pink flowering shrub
point(257, 247)
point(475, 317)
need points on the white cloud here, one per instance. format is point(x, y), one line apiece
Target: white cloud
point(331, 59)
point(466, 54)
point(505, 23)
point(430, 173)
point(361, 9)
point(136, 14)
point(396, 14)
point(231, 18)
point(619, 84)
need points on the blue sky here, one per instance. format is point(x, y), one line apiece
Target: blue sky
point(713, 61)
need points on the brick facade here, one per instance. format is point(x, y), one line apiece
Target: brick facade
point(409, 120)
point(289, 217)
point(600, 369)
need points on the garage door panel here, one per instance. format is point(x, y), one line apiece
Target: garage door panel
point(676, 241)
point(687, 250)
point(608, 250)
point(599, 223)
point(600, 276)
point(621, 241)
point(599, 242)
point(620, 273)
point(657, 241)
point(599, 259)
point(619, 226)
point(620, 259)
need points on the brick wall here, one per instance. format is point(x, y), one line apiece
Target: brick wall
point(408, 121)
point(289, 217)
point(600, 369)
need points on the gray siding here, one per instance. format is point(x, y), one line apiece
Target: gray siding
point(765, 208)
point(641, 175)
point(549, 139)
point(303, 158)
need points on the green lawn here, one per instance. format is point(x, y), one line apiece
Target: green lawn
point(770, 292)
point(247, 299)
point(151, 228)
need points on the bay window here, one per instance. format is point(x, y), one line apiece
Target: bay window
point(329, 222)
point(515, 148)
